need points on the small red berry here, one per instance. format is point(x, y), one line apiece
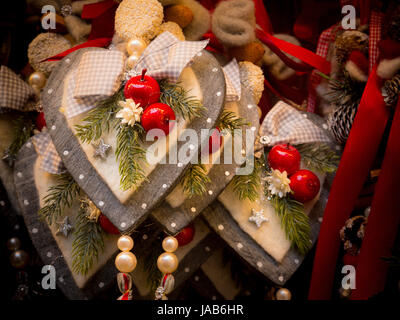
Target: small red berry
point(186, 235)
point(107, 226)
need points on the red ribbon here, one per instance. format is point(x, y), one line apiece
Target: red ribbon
point(357, 159)
point(383, 221)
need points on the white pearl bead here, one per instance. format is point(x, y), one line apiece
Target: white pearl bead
point(132, 60)
point(283, 294)
point(167, 262)
point(37, 79)
point(125, 243)
point(126, 262)
point(135, 46)
point(170, 244)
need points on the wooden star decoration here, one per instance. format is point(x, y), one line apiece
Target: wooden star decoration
point(101, 149)
point(257, 217)
point(64, 228)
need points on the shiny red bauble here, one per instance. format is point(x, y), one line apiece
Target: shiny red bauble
point(305, 185)
point(284, 157)
point(185, 236)
point(40, 121)
point(157, 116)
point(106, 225)
point(215, 141)
point(142, 89)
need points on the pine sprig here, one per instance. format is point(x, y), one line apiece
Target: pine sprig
point(247, 186)
point(129, 153)
point(195, 180)
point(294, 221)
point(174, 95)
point(58, 197)
point(230, 121)
point(88, 242)
point(22, 130)
point(319, 157)
point(150, 264)
point(100, 119)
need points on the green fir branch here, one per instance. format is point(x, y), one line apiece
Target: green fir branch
point(150, 265)
point(294, 221)
point(195, 180)
point(230, 121)
point(100, 119)
point(58, 197)
point(129, 153)
point(174, 95)
point(22, 131)
point(319, 157)
point(88, 242)
point(247, 186)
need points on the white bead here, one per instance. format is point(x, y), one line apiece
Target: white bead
point(167, 262)
point(125, 262)
point(125, 243)
point(37, 79)
point(135, 46)
point(170, 244)
point(132, 60)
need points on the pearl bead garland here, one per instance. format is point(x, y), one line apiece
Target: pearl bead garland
point(132, 60)
point(167, 262)
point(170, 244)
point(125, 243)
point(135, 46)
point(37, 80)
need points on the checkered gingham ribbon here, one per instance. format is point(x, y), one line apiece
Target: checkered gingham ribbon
point(50, 161)
point(232, 80)
point(97, 76)
point(324, 42)
point(14, 92)
point(284, 124)
point(375, 33)
point(166, 57)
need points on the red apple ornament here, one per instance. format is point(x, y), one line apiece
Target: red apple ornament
point(284, 157)
point(142, 89)
point(305, 185)
point(157, 116)
point(40, 121)
point(185, 236)
point(107, 226)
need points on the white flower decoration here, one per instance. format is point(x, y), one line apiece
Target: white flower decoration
point(278, 183)
point(130, 112)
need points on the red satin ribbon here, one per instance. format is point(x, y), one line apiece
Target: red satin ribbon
point(102, 42)
point(383, 221)
point(357, 159)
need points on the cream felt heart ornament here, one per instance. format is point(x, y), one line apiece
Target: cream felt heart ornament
point(101, 163)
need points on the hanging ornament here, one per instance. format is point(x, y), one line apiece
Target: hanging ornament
point(40, 121)
point(167, 263)
point(125, 261)
point(132, 60)
point(185, 236)
point(37, 79)
point(13, 244)
point(305, 185)
point(283, 294)
point(158, 116)
point(284, 157)
point(106, 225)
point(19, 259)
point(135, 45)
point(144, 90)
point(125, 286)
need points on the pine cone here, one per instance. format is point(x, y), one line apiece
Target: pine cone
point(391, 90)
point(341, 120)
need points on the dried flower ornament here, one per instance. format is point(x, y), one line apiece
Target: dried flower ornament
point(278, 183)
point(130, 112)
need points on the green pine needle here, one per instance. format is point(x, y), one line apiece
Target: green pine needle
point(129, 152)
point(319, 157)
point(88, 242)
point(100, 119)
point(195, 180)
point(247, 186)
point(150, 264)
point(230, 121)
point(176, 97)
point(294, 221)
point(22, 130)
point(58, 197)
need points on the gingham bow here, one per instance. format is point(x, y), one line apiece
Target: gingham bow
point(232, 79)
point(166, 57)
point(49, 159)
point(284, 124)
point(97, 76)
point(15, 92)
